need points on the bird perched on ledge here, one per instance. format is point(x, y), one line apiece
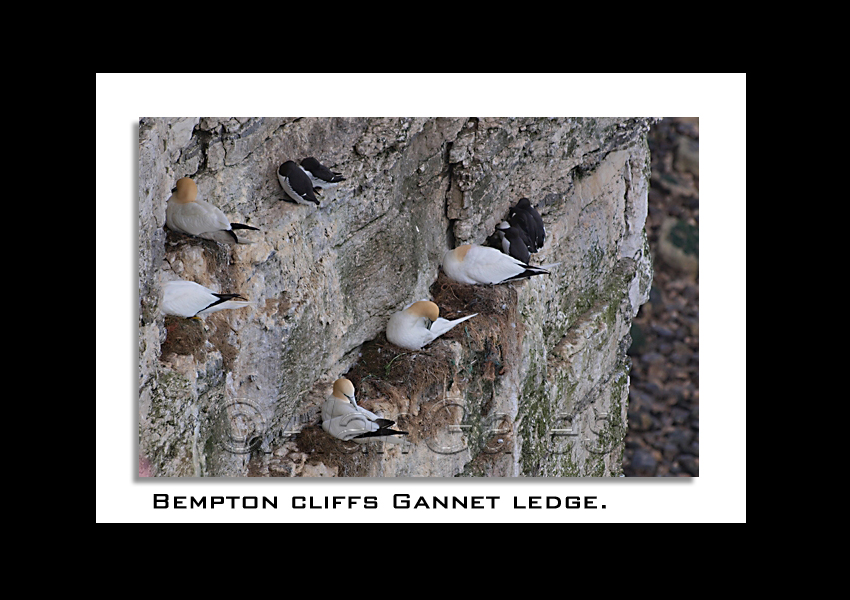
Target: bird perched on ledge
point(296, 183)
point(526, 217)
point(319, 174)
point(345, 420)
point(514, 241)
point(475, 264)
point(419, 324)
point(189, 299)
point(184, 213)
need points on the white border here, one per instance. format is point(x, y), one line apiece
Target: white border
point(719, 494)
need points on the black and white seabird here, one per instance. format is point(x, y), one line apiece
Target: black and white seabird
point(526, 216)
point(296, 183)
point(345, 420)
point(186, 214)
point(189, 299)
point(525, 222)
point(319, 173)
point(514, 242)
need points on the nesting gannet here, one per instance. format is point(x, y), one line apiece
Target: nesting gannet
point(514, 241)
point(526, 216)
point(345, 420)
point(296, 183)
point(186, 214)
point(484, 265)
point(189, 299)
point(419, 324)
point(319, 174)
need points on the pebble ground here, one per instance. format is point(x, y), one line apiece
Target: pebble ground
point(663, 433)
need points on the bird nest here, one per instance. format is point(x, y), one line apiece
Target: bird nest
point(190, 336)
point(412, 382)
point(183, 336)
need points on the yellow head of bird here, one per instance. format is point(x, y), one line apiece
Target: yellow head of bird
point(187, 191)
point(343, 388)
point(425, 308)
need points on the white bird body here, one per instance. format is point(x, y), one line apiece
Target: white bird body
point(345, 420)
point(184, 213)
point(419, 324)
point(475, 264)
point(195, 218)
point(189, 299)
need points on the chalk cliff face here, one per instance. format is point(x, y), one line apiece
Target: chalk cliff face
point(535, 385)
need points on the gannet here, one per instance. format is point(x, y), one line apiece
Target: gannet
point(345, 420)
point(419, 324)
point(189, 299)
point(186, 214)
point(484, 265)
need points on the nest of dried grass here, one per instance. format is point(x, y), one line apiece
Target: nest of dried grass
point(183, 336)
point(414, 382)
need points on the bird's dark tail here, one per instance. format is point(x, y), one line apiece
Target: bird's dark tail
point(529, 272)
point(241, 226)
point(224, 298)
point(380, 433)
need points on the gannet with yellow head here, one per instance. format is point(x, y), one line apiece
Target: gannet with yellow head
point(419, 324)
point(475, 264)
point(345, 420)
point(189, 299)
point(186, 214)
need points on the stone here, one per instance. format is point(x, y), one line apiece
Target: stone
point(641, 421)
point(543, 355)
point(680, 437)
point(678, 245)
point(644, 463)
point(687, 155)
point(689, 463)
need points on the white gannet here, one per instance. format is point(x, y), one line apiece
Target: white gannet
point(419, 324)
point(296, 183)
point(345, 420)
point(475, 264)
point(186, 214)
point(189, 299)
